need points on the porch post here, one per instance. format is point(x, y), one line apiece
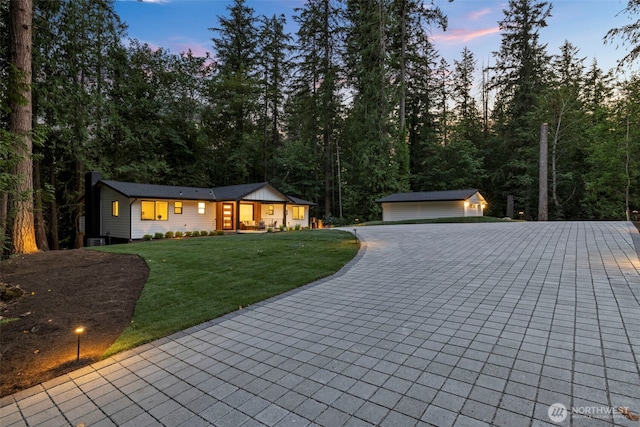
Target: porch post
point(237, 214)
point(284, 215)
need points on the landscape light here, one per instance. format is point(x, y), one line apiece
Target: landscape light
point(79, 330)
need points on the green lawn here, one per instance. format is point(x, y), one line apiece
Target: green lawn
point(196, 279)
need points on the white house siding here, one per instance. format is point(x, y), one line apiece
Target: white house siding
point(474, 205)
point(278, 213)
point(117, 227)
point(189, 220)
point(402, 211)
point(265, 193)
point(301, 222)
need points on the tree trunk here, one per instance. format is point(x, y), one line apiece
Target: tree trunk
point(403, 69)
point(53, 212)
point(543, 199)
point(41, 231)
point(4, 203)
point(326, 132)
point(21, 14)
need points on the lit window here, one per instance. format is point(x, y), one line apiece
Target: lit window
point(148, 210)
point(298, 212)
point(201, 208)
point(154, 211)
point(177, 208)
point(162, 211)
point(270, 210)
point(115, 208)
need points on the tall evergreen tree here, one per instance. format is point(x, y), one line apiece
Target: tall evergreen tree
point(561, 106)
point(410, 20)
point(466, 114)
point(275, 46)
point(73, 62)
point(372, 169)
point(234, 98)
point(183, 91)
point(519, 80)
point(629, 33)
point(317, 92)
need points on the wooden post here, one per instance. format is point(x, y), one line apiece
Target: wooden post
point(510, 206)
point(543, 198)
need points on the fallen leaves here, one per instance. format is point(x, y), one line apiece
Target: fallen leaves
point(627, 413)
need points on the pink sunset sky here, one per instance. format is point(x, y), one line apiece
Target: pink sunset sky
point(179, 25)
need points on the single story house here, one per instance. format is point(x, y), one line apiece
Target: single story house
point(124, 211)
point(432, 204)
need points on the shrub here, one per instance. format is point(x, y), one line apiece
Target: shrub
point(213, 233)
point(220, 232)
point(179, 234)
point(168, 235)
point(283, 227)
point(187, 234)
point(204, 233)
point(195, 233)
point(269, 229)
point(147, 237)
point(297, 227)
point(158, 235)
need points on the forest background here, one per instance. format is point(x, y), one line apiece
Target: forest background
point(357, 104)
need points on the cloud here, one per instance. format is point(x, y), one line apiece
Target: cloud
point(183, 44)
point(478, 14)
point(464, 35)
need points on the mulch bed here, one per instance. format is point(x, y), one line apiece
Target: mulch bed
point(62, 290)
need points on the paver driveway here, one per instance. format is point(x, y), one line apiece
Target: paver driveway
point(443, 324)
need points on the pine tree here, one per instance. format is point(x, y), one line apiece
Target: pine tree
point(518, 81)
point(561, 107)
point(628, 33)
point(74, 55)
point(317, 95)
point(234, 98)
point(276, 68)
point(372, 170)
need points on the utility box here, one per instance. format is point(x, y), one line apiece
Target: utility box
point(95, 241)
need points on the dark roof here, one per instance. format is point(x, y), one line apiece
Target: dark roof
point(237, 192)
point(298, 201)
point(131, 189)
point(429, 196)
point(230, 192)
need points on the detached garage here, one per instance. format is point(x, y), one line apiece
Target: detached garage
point(432, 204)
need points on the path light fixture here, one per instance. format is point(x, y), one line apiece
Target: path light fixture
point(79, 331)
point(355, 234)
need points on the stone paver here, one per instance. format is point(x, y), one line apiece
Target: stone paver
point(441, 324)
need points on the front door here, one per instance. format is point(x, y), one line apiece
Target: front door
point(227, 216)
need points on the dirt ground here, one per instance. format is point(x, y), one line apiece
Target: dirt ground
point(62, 290)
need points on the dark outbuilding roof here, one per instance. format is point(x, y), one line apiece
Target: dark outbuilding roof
point(429, 196)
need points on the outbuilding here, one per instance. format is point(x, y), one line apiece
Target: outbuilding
point(432, 204)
